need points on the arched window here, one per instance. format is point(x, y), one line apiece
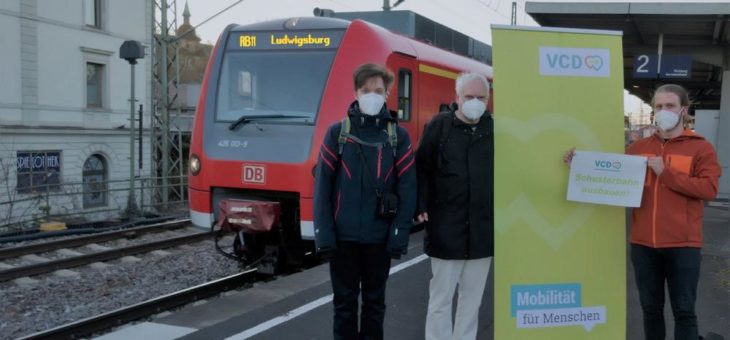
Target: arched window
point(95, 182)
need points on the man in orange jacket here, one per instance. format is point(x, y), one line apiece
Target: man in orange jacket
point(666, 230)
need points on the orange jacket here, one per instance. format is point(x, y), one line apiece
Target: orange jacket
point(672, 204)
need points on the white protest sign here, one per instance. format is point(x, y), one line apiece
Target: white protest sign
point(606, 178)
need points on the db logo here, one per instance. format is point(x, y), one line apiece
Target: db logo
point(255, 174)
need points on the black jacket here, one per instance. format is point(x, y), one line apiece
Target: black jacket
point(345, 201)
point(456, 187)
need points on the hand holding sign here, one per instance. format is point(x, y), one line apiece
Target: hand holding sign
point(568, 157)
point(606, 178)
point(656, 164)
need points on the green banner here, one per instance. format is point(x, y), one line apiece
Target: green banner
point(560, 266)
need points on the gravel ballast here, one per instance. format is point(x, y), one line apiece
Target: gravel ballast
point(54, 300)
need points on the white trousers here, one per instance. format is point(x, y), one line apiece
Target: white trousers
point(470, 276)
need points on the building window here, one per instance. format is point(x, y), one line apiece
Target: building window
point(95, 182)
point(38, 171)
point(92, 13)
point(94, 85)
point(404, 94)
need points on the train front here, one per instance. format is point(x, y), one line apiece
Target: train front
point(254, 133)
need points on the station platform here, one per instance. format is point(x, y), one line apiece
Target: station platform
point(299, 306)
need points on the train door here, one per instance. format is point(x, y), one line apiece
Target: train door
point(403, 94)
point(436, 90)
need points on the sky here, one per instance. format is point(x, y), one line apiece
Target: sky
point(471, 17)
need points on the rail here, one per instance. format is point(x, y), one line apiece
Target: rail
point(6, 253)
point(144, 309)
point(76, 261)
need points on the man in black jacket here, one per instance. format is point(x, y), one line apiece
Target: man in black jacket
point(364, 200)
point(455, 199)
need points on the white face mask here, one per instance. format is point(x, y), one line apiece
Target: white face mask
point(473, 109)
point(666, 120)
point(370, 103)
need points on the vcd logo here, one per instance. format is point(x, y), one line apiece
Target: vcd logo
point(608, 165)
point(580, 62)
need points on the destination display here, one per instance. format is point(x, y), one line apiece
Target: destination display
point(285, 40)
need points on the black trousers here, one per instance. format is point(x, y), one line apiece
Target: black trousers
point(355, 266)
point(680, 269)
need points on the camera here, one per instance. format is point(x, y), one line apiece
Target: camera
point(387, 205)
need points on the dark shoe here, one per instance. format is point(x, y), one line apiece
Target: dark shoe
point(712, 336)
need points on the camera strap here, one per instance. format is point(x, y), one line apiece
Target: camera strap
point(378, 192)
point(369, 175)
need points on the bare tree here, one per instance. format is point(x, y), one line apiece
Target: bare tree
point(11, 220)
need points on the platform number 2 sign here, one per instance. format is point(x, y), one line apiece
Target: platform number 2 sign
point(645, 66)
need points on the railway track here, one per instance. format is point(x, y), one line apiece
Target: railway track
point(101, 256)
point(11, 252)
point(144, 309)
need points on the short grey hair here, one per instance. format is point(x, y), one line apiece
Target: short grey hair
point(467, 77)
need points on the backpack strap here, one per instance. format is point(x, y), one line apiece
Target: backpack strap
point(392, 129)
point(447, 122)
point(446, 125)
point(345, 127)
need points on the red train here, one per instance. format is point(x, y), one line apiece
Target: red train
point(269, 93)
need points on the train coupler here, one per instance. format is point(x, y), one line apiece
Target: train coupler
point(256, 225)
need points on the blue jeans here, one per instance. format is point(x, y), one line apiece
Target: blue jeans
point(680, 269)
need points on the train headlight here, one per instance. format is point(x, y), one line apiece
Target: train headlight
point(194, 165)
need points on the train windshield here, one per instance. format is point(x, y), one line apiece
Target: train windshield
point(277, 83)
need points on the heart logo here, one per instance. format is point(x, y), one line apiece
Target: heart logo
point(594, 62)
point(521, 208)
point(617, 165)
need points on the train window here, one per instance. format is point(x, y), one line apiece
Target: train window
point(272, 82)
point(404, 94)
